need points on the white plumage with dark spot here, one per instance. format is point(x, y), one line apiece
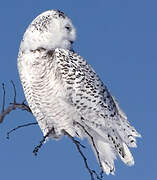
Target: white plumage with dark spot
point(65, 93)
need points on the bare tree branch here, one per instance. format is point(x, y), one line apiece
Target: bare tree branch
point(97, 152)
point(20, 126)
point(36, 149)
point(14, 91)
point(23, 106)
point(78, 145)
point(3, 101)
point(81, 153)
point(13, 105)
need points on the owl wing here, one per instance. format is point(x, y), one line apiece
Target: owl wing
point(99, 111)
point(86, 92)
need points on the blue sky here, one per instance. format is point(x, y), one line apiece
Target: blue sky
point(119, 39)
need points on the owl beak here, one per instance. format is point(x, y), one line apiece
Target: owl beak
point(71, 49)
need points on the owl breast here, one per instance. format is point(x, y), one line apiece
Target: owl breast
point(45, 94)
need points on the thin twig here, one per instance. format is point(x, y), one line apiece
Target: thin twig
point(36, 149)
point(14, 91)
point(3, 101)
point(23, 102)
point(18, 127)
point(80, 144)
point(81, 153)
point(97, 152)
point(13, 107)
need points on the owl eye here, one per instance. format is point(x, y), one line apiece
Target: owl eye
point(68, 28)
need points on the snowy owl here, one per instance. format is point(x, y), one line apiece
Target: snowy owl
point(66, 94)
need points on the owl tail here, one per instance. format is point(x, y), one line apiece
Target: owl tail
point(109, 142)
point(106, 153)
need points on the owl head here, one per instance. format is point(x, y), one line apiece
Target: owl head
point(50, 30)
